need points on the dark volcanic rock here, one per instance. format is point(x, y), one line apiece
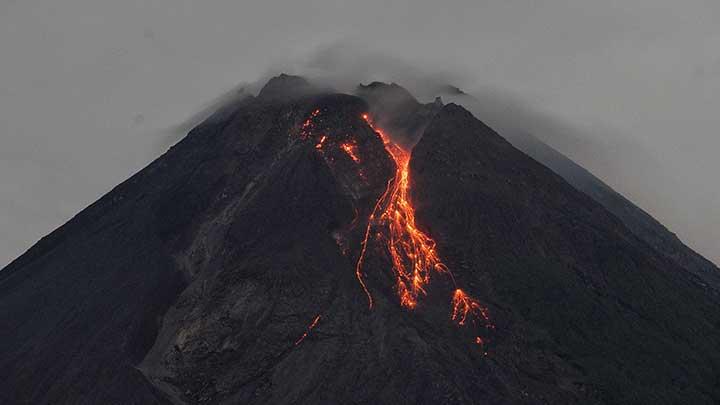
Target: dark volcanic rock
point(397, 111)
point(284, 87)
point(224, 272)
point(587, 306)
point(638, 221)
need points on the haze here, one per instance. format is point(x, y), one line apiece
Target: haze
point(91, 91)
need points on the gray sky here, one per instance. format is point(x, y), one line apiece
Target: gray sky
point(90, 90)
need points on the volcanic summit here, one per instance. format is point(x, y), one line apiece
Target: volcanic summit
point(306, 246)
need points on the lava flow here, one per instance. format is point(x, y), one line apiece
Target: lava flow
point(413, 253)
point(309, 329)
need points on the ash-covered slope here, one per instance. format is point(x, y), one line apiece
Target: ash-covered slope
point(571, 281)
point(226, 272)
point(397, 111)
point(637, 220)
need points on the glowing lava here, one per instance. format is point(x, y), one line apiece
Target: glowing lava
point(413, 253)
point(309, 329)
point(463, 305)
point(351, 149)
point(320, 143)
point(307, 126)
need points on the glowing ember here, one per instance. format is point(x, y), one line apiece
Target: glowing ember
point(463, 305)
point(351, 149)
point(307, 126)
point(310, 328)
point(321, 142)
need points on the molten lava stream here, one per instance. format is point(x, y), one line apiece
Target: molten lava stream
point(309, 329)
point(413, 253)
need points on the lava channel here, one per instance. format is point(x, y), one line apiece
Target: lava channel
point(309, 329)
point(413, 253)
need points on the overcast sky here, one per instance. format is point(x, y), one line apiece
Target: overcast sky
point(90, 90)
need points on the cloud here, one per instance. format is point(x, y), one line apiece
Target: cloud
point(629, 86)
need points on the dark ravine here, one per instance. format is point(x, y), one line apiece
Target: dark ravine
point(224, 272)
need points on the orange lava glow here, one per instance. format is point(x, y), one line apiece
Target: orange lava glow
point(307, 332)
point(320, 143)
point(413, 253)
point(351, 149)
point(306, 129)
point(363, 250)
point(464, 305)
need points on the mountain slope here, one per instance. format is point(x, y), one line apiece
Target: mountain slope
point(637, 220)
point(229, 271)
point(569, 272)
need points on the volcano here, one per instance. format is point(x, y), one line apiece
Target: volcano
point(306, 246)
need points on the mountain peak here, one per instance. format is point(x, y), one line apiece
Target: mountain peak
point(286, 86)
point(450, 90)
point(345, 249)
point(389, 94)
